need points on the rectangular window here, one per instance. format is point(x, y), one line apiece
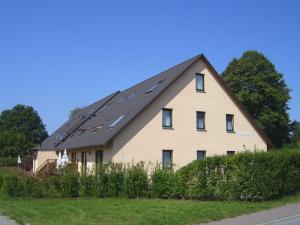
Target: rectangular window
point(229, 153)
point(201, 154)
point(199, 82)
point(167, 159)
point(117, 121)
point(229, 122)
point(99, 157)
point(167, 118)
point(200, 120)
point(73, 157)
point(83, 163)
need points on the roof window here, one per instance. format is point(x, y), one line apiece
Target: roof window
point(130, 96)
point(117, 120)
point(152, 88)
point(97, 128)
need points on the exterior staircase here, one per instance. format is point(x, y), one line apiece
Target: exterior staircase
point(48, 168)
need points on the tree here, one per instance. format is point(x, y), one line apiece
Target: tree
point(263, 92)
point(295, 133)
point(21, 128)
point(73, 112)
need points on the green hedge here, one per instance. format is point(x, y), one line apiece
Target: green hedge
point(8, 162)
point(245, 176)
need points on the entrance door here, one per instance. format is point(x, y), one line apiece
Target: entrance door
point(83, 163)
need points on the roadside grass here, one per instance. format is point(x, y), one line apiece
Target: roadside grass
point(84, 211)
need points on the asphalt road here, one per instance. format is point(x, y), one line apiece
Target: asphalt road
point(286, 215)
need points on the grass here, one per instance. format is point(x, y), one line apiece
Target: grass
point(123, 211)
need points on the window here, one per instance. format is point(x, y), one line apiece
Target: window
point(83, 163)
point(73, 157)
point(152, 88)
point(130, 96)
point(167, 159)
point(99, 157)
point(199, 82)
point(167, 118)
point(229, 123)
point(200, 120)
point(97, 128)
point(201, 154)
point(117, 121)
point(229, 153)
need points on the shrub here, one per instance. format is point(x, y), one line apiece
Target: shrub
point(52, 186)
point(1, 181)
point(136, 181)
point(10, 185)
point(244, 176)
point(115, 181)
point(8, 162)
point(70, 184)
point(89, 186)
point(163, 183)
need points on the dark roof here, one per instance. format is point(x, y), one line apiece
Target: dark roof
point(92, 126)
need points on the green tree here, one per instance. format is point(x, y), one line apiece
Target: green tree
point(263, 92)
point(21, 128)
point(74, 112)
point(295, 133)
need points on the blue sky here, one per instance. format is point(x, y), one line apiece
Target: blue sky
point(57, 55)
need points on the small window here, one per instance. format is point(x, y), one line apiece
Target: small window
point(167, 118)
point(199, 82)
point(229, 153)
point(117, 121)
point(80, 131)
point(200, 120)
point(201, 154)
point(97, 128)
point(152, 88)
point(229, 122)
point(167, 159)
point(130, 96)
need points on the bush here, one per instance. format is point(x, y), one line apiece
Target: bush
point(163, 183)
point(10, 185)
point(136, 181)
point(8, 162)
point(1, 181)
point(89, 186)
point(244, 176)
point(70, 184)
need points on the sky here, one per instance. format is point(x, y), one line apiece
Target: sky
point(57, 55)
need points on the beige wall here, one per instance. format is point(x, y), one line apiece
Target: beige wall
point(144, 139)
point(43, 155)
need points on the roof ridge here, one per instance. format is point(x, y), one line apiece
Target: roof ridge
point(166, 70)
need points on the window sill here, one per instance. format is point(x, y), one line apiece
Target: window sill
point(230, 132)
point(168, 128)
point(202, 130)
point(201, 91)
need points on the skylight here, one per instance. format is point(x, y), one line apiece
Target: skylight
point(152, 88)
point(97, 128)
point(117, 121)
point(130, 96)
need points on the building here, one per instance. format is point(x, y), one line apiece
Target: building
point(184, 113)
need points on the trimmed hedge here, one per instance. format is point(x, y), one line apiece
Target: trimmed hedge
point(244, 176)
point(8, 162)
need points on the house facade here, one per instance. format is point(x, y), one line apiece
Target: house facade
point(180, 115)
